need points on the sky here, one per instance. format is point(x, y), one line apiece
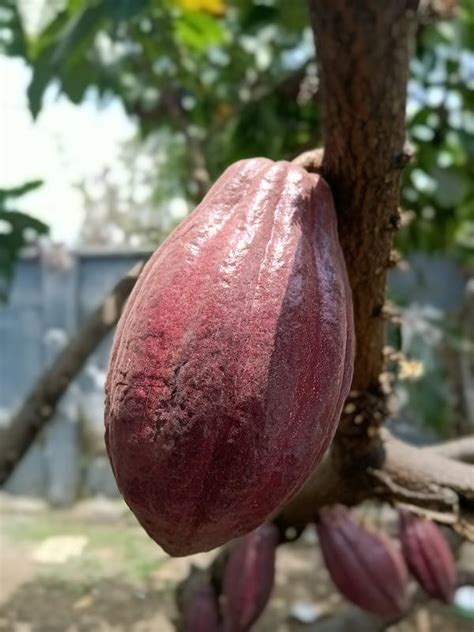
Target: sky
point(65, 144)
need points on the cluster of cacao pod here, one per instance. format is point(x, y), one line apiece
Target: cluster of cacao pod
point(246, 586)
point(232, 359)
point(371, 569)
point(368, 567)
point(229, 369)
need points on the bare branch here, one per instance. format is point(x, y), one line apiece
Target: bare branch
point(391, 471)
point(458, 449)
point(426, 471)
point(39, 406)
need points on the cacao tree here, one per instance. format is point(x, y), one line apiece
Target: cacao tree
point(265, 394)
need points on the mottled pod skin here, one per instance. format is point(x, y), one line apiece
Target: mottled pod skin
point(248, 578)
point(428, 556)
point(232, 359)
point(367, 567)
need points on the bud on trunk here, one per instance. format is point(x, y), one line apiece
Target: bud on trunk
point(367, 567)
point(428, 556)
point(248, 578)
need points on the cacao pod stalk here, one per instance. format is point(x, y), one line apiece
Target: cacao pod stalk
point(428, 556)
point(232, 359)
point(367, 567)
point(248, 578)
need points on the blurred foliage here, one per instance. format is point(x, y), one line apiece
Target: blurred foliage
point(17, 230)
point(439, 185)
point(232, 79)
point(122, 206)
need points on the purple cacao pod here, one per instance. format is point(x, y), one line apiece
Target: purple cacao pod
point(248, 578)
point(367, 567)
point(428, 556)
point(232, 359)
point(199, 607)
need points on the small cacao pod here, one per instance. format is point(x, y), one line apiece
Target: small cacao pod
point(232, 359)
point(428, 556)
point(248, 578)
point(199, 605)
point(367, 567)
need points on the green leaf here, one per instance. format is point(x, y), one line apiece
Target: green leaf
point(21, 221)
point(49, 35)
point(294, 15)
point(14, 239)
point(256, 16)
point(43, 73)
point(16, 192)
point(12, 35)
point(125, 9)
point(78, 79)
point(78, 33)
point(199, 31)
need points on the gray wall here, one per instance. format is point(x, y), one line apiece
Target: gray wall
point(52, 292)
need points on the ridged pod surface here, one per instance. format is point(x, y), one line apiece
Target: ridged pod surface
point(232, 359)
point(367, 567)
point(248, 578)
point(428, 556)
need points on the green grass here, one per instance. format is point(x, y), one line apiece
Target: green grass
point(112, 549)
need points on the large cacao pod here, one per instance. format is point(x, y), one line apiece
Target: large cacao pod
point(248, 578)
point(367, 567)
point(428, 556)
point(232, 359)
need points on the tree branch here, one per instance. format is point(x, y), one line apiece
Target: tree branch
point(459, 449)
point(39, 406)
point(392, 471)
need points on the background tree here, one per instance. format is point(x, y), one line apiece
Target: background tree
point(130, 205)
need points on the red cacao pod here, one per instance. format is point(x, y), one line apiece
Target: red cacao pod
point(248, 578)
point(428, 556)
point(367, 567)
point(232, 359)
point(199, 606)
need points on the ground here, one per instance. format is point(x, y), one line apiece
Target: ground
point(91, 568)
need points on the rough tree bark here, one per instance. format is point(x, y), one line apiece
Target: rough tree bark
point(363, 52)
